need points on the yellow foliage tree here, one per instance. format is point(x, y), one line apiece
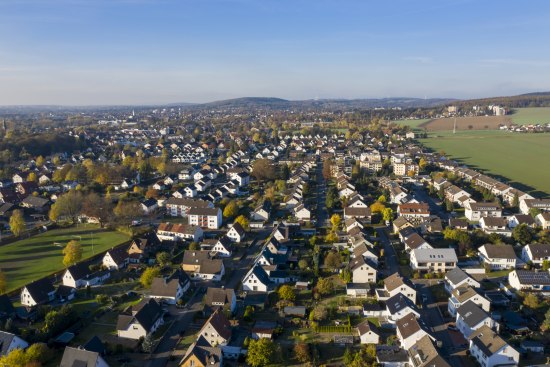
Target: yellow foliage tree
point(72, 252)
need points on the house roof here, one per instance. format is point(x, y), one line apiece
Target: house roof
point(456, 275)
point(487, 340)
point(414, 240)
point(95, 345)
point(366, 326)
point(494, 221)
point(204, 211)
point(220, 323)
point(238, 228)
point(395, 281)
point(499, 251)
point(533, 277)
point(76, 357)
point(462, 294)
point(147, 315)
point(178, 228)
point(204, 352)
point(35, 201)
point(357, 212)
point(399, 302)
point(218, 295)
point(435, 255)
point(423, 353)
point(168, 287)
point(39, 290)
point(5, 341)
point(118, 254)
point(188, 202)
point(408, 325)
point(539, 250)
point(472, 314)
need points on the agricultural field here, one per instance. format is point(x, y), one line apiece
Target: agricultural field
point(38, 256)
point(532, 115)
point(414, 124)
point(520, 159)
point(466, 123)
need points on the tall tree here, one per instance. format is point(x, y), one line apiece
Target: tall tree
point(231, 209)
point(243, 221)
point(68, 205)
point(286, 293)
point(327, 169)
point(148, 275)
point(72, 252)
point(98, 207)
point(263, 170)
point(17, 223)
point(261, 352)
point(126, 210)
point(333, 260)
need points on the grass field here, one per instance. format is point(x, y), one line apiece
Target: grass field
point(520, 158)
point(533, 115)
point(412, 123)
point(35, 257)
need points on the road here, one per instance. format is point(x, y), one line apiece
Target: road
point(392, 261)
point(420, 194)
point(322, 213)
point(184, 317)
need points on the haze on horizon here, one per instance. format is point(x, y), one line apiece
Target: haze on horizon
point(79, 52)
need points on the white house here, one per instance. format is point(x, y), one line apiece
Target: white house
point(205, 217)
point(37, 293)
point(217, 329)
point(145, 318)
point(410, 329)
point(525, 280)
point(395, 284)
point(398, 307)
point(79, 275)
point(470, 317)
point(458, 278)
point(302, 213)
point(368, 333)
point(219, 298)
point(177, 232)
point(236, 233)
point(543, 220)
point(257, 280)
point(363, 271)
point(490, 350)
point(476, 211)
point(498, 256)
point(461, 295)
point(116, 258)
point(75, 356)
point(536, 253)
point(170, 289)
point(224, 247)
point(438, 260)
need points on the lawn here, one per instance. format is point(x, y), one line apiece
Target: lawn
point(414, 124)
point(38, 256)
point(518, 158)
point(531, 115)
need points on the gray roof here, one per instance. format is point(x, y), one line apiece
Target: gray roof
point(435, 255)
point(398, 303)
point(500, 251)
point(456, 275)
point(487, 340)
point(472, 314)
point(147, 315)
point(74, 357)
point(5, 341)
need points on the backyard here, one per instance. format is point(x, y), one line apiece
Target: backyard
point(38, 256)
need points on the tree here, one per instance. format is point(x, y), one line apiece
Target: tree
point(345, 275)
point(39, 352)
point(387, 214)
point(382, 199)
point(243, 221)
point(16, 358)
point(335, 219)
point(17, 223)
point(286, 293)
point(319, 313)
point(260, 352)
point(40, 161)
point(72, 252)
point(163, 259)
point(422, 163)
point(377, 207)
point(32, 177)
point(333, 260)
point(126, 210)
point(67, 205)
point(231, 209)
point(263, 170)
point(148, 343)
point(545, 265)
point(331, 237)
point(534, 212)
point(3, 282)
point(302, 353)
point(522, 234)
point(151, 193)
point(302, 264)
point(546, 323)
point(325, 286)
point(515, 200)
point(193, 246)
point(327, 169)
point(148, 275)
point(332, 197)
point(98, 207)
point(531, 301)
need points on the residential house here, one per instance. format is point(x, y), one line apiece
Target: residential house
point(437, 260)
point(490, 350)
point(9, 342)
point(220, 298)
point(177, 232)
point(302, 213)
point(424, 354)
point(202, 354)
point(36, 203)
point(461, 295)
point(202, 265)
point(363, 271)
point(526, 280)
point(144, 318)
point(116, 258)
point(223, 247)
point(543, 220)
point(38, 292)
point(146, 245)
point(498, 225)
point(368, 333)
point(180, 207)
point(536, 253)
point(262, 212)
point(149, 206)
point(470, 317)
point(415, 213)
point(80, 275)
point(541, 204)
point(517, 219)
point(395, 284)
point(257, 280)
point(82, 358)
point(170, 289)
point(410, 329)
point(414, 241)
point(217, 329)
point(263, 329)
point(498, 256)
point(399, 306)
point(205, 217)
point(476, 211)
point(363, 213)
point(459, 278)
point(236, 233)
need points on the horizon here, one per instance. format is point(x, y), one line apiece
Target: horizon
point(144, 52)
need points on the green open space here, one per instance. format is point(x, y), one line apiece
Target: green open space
point(35, 257)
point(414, 124)
point(520, 159)
point(531, 115)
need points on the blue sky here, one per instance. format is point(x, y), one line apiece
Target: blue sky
point(88, 52)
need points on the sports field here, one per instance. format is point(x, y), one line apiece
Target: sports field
point(519, 158)
point(35, 257)
point(532, 115)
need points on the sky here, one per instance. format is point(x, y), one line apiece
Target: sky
point(90, 52)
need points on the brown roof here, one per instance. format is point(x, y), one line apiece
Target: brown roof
point(414, 208)
point(500, 251)
point(220, 323)
point(424, 354)
point(487, 340)
point(218, 295)
point(408, 325)
point(395, 281)
point(357, 212)
point(365, 327)
point(177, 228)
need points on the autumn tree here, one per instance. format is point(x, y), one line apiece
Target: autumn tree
point(325, 286)
point(163, 259)
point(286, 293)
point(261, 352)
point(387, 214)
point(98, 207)
point(243, 221)
point(263, 170)
point(231, 209)
point(40, 161)
point(72, 252)
point(377, 207)
point(148, 275)
point(302, 353)
point(327, 169)
point(68, 205)
point(32, 177)
point(126, 210)
point(333, 260)
point(532, 301)
point(17, 223)
point(335, 220)
point(522, 234)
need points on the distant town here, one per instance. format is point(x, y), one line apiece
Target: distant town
point(262, 232)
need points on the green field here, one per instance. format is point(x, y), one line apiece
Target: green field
point(35, 257)
point(412, 123)
point(519, 158)
point(531, 115)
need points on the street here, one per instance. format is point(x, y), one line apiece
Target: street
point(322, 213)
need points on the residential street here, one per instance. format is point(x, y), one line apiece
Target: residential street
point(322, 213)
